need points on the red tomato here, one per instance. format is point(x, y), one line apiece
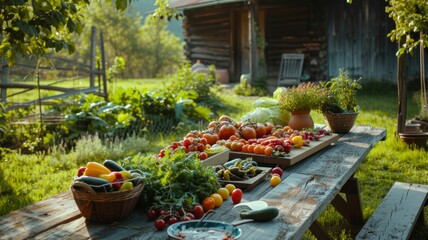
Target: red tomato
point(226, 131)
point(236, 195)
point(190, 215)
point(203, 140)
point(260, 130)
point(151, 215)
point(198, 211)
point(224, 118)
point(211, 138)
point(160, 224)
point(202, 155)
point(248, 132)
point(186, 142)
point(172, 220)
point(269, 127)
point(213, 124)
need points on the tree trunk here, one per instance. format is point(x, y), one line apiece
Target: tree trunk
point(402, 96)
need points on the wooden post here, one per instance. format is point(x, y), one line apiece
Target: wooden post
point(103, 66)
point(92, 63)
point(402, 96)
point(4, 77)
point(424, 106)
point(252, 16)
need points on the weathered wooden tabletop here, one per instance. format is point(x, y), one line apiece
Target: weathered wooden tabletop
point(306, 190)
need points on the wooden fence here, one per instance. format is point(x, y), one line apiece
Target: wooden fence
point(95, 72)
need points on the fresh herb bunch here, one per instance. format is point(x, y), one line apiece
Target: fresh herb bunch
point(177, 180)
point(305, 96)
point(341, 94)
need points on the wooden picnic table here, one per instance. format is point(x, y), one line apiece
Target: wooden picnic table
point(306, 190)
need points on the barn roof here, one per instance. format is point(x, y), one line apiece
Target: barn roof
point(189, 4)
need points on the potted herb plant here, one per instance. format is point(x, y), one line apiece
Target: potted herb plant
point(340, 108)
point(299, 101)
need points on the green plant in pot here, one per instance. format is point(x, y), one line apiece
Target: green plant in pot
point(299, 101)
point(340, 107)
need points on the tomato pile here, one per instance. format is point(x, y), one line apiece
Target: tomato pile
point(249, 137)
point(261, 138)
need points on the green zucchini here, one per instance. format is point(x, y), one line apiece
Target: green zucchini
point(231, 162)
point(98, 184)
point(261, 215)
point(113, 166)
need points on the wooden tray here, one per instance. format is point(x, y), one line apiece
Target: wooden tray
point(251, 182)
point(218, 159)
point(295, 155)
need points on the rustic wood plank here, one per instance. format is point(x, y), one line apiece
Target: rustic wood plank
point(396, 216)
point(29, 221)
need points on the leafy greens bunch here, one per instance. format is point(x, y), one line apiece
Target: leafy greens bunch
point(177, 180)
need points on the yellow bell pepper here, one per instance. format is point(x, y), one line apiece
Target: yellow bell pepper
point(109, 177)
point(126, 186)
point(95, 169)
point(126, 175)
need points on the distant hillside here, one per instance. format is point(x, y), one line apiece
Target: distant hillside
point(145, 7)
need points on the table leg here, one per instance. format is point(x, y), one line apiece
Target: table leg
point(318, 231)
point(350, 208)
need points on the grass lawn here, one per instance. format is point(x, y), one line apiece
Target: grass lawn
point(30, 178)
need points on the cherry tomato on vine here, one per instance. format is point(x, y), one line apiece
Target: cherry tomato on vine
point(160, 224)
point(151, 214)
point(186, 142)
point(198, 211)
point(172, 220)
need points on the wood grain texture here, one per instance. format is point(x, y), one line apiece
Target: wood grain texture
point(396, 216)
point(306, 190)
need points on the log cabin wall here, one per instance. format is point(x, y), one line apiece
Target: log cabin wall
point(295, 27)
point(358, 41)
point(331, 33)
point(210, 36)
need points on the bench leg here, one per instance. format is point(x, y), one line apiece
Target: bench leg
point(318, 231)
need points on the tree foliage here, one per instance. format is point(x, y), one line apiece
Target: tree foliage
point(410, 17)
point(30, 27)
point(149, 50)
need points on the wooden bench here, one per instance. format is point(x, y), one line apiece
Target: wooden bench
point(398, 213)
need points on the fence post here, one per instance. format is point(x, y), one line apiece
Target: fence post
point(103, 66)
point(4, 77)
point(93, 52)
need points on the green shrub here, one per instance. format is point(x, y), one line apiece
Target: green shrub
point(246, 89)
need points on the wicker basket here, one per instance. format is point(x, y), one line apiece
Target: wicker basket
point(340, 122)
point(105, 207)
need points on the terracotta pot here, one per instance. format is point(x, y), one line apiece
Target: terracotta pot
point(222, 76)
point(418, 139)
point(412, 128)
point(301, 119)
